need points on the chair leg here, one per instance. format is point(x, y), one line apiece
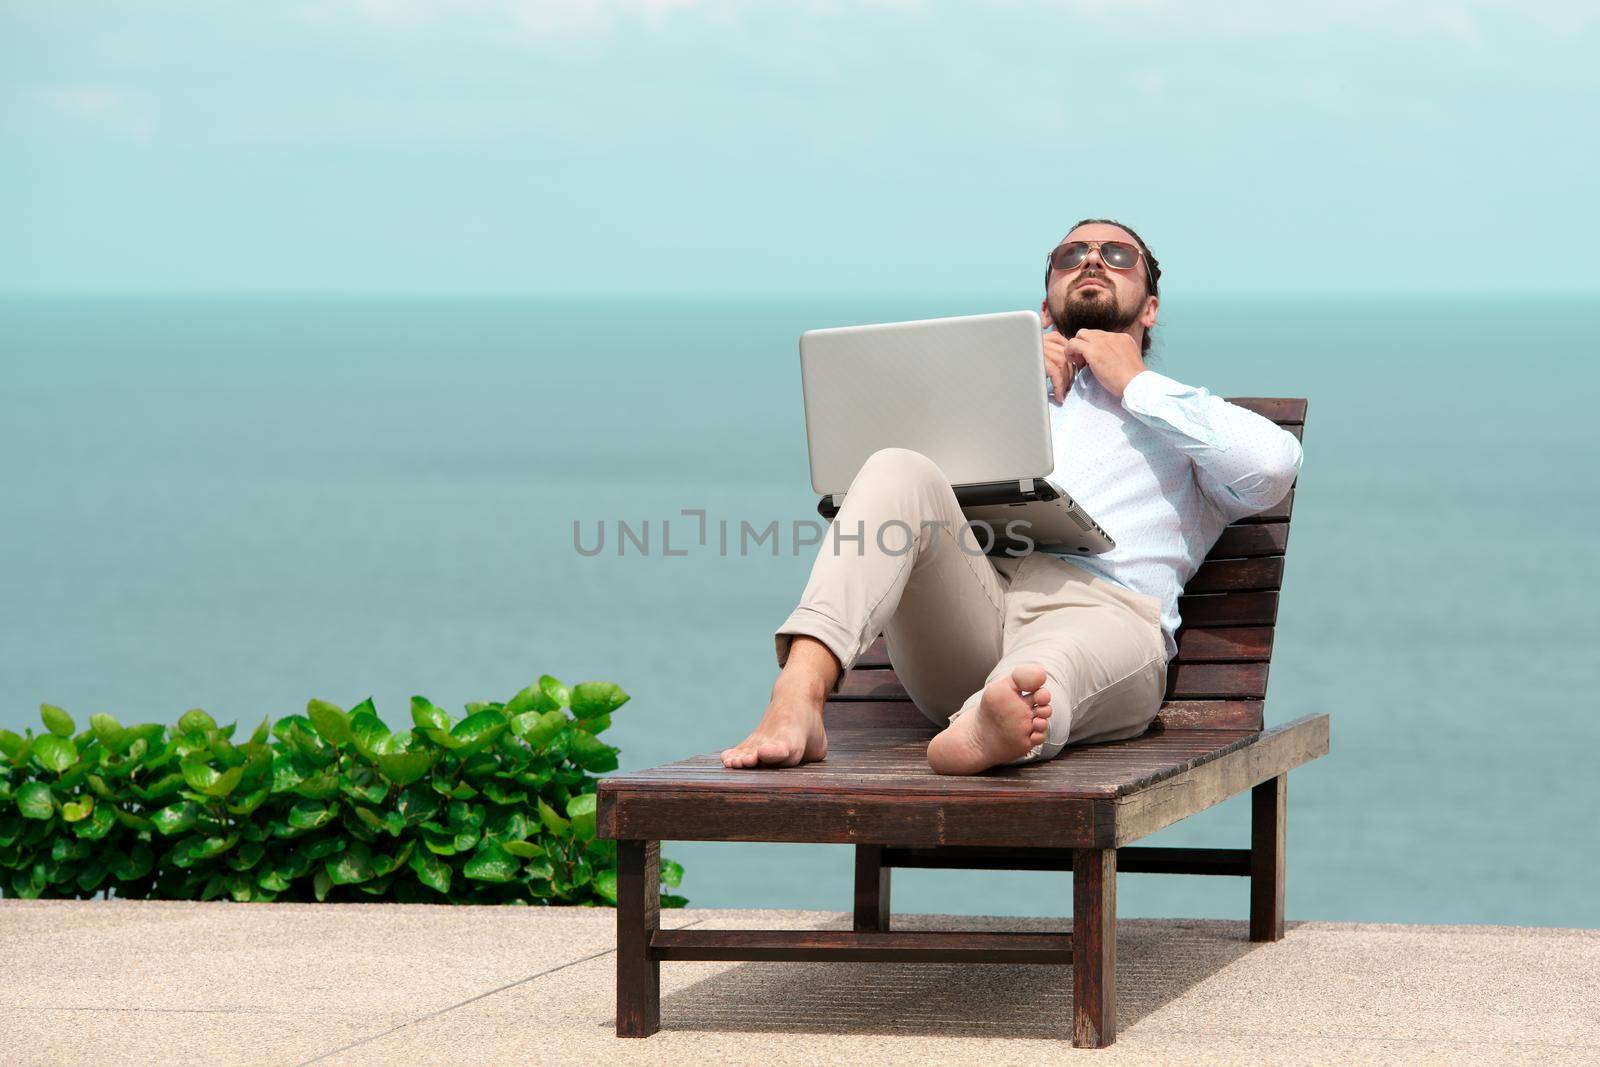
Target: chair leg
point(1094, 947)
point(638, 915)
point(872, 889)
point(1267, 838)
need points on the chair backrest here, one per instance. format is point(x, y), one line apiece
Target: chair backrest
point(1218, 678)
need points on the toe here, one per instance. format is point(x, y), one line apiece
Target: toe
point(1028, 677)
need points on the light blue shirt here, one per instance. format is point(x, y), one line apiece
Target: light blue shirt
point(1164, 469)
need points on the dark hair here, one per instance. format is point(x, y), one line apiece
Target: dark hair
point(1152, 268)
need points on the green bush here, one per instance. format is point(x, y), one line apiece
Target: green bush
point(330, 805)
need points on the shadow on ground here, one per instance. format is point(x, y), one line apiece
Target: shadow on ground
point(1157, 962)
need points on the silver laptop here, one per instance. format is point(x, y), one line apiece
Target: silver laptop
point(971, 394)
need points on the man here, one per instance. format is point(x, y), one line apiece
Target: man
point(1018, 657)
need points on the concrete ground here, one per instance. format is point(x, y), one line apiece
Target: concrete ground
point(147, 982)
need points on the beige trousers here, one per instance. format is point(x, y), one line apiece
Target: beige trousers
point(899, 560)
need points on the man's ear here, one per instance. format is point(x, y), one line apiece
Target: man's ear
point(1148, 319)
point(1044, 313)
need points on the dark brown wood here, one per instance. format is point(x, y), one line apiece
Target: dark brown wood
point(1237, 575)
point(1224, 644)
point(855, 946)
point(1234, 862)
point(1239, 541)
point(1094, 942)
point(638, 917)
point(1209, 715)
point(1229, 609)
point(1216, 681)
point(1268, 809)
point(1142, 811)
point(872, 889)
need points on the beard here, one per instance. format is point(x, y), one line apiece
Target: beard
point(1094, 309)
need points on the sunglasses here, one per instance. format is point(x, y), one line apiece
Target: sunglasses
point(1118, 255)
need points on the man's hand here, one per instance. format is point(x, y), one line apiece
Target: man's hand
point(1114, 358)
point(1060, 364)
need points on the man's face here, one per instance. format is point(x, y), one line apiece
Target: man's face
point(1097, 297)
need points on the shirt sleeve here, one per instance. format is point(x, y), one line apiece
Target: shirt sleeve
point(1244, 462)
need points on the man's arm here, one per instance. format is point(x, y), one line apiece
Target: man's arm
point(1244, 462)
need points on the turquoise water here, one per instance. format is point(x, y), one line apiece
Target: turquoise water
point(242, 504)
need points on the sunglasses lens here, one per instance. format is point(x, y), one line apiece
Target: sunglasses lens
point(1070, 255)
point(1119, 255)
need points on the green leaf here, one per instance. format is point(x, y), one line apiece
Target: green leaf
point(555, 822)
point(308, 815)
point(77, 810)
point(98, 824)
point(35, 802)
point(555, 690)
point(54, 752)
point(537, 728)
point(605, 884)
point(320, 882)
point(478, 730)
point(177, 818)
point(532, 699)
point(403, 768)
point(425, 716)
point(370, 735)
point(591, 753)
point(581, 808)
point(431, 871)
point(10, 744)
point(351, 868)
point(109, 732)
point(134, 865)
point(523, 849)
point(318, 786)
point(195, 721)
point(204, 778)
point(492, 863)
point(671, 872)
point(330, 721)
point(590, 699)
point(57, 721)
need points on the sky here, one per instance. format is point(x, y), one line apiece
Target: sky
point(660, 147)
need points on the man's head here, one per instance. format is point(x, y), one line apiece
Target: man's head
point(1095, 295)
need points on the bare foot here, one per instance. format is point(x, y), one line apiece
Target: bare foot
point(1009, 720)
point(789, 733)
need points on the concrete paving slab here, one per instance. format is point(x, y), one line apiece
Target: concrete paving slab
point(1195, 990)
point(369, 984)
point(353, 959)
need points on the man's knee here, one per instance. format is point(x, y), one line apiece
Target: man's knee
point(901, 465)
point(899, 474)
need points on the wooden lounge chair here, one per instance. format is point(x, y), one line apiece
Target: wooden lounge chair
point(1077, 812)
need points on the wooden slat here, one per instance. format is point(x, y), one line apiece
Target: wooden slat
point(1232, 862)
point(1209, 715)
point(1237, 576)
point(1232, 609)
point(1226, 644)
point(1259, 539)
point(863, 946)
point(1141, 810)
point(1217, 681)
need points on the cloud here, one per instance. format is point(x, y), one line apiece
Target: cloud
point(97, 106)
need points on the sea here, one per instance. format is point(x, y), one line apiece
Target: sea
point(243, 503)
